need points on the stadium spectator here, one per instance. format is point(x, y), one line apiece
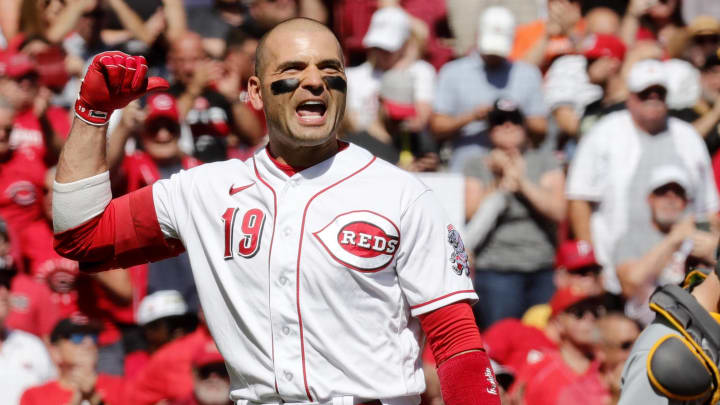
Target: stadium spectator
point(608, 178)
point(168, 373)
point(239, 66)
point(617, 335)
point(541, 41)
point(211, 382)
point(708, 108)
point(200, 105)
point(552, 372)
point(651, 20)
point(409, 145)
point(386, 41)
point(38, 125)
point(519, 200)
point(468, 87)
point(704, 32)
point(164, 317)
point(580, 89)
point(159, 157)
point(24, 361)
point(575, 268)
point(648, 258)
point(73, 347)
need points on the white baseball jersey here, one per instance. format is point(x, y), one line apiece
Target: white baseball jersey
point(308, 282)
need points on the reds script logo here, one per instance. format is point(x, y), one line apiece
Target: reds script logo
point(458, 257)
point(361, 240)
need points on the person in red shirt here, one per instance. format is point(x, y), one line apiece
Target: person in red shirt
point(211, 381)
point(548, 374)
point(168, 374)
point(74, 351)
point(39, 126)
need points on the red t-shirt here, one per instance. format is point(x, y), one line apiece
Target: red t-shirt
point(31, 308)
point(510, 342)
point(545, 381)
point(110, 388)
point(26, 133)
point(168, 374)
point(22, 184)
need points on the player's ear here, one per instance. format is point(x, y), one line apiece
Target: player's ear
point(255, 93)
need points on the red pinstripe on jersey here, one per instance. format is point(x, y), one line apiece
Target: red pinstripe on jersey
point(272, 239)
point(439, 298)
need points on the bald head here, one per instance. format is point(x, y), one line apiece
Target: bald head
point(187, 42)
point(602, 20)
point(275, 36)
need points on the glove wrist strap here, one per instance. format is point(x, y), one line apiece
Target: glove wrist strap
point(89, 115)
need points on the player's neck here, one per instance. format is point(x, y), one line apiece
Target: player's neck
point(302, 157)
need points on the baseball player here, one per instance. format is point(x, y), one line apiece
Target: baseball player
point(319, 267)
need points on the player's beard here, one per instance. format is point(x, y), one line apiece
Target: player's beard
point(212, 392)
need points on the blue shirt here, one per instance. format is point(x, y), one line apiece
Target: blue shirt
point(465, 84)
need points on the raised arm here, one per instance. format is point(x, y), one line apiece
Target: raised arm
point(88, 226)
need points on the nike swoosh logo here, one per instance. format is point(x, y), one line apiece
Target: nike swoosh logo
point(235, 190)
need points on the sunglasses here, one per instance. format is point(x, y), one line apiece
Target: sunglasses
point(656, 91)
point(78, 338)
point(624, 345)
point(579, 312)
point(154, 126)
point(586, 271)
point(6, 279)
point(706, 39)
point(216, 368)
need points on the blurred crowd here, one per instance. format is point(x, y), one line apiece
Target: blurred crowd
point(585, 134)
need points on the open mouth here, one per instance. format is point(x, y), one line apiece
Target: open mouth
point(311, 112)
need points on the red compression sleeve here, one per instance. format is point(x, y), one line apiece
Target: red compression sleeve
point(127, 233)
point(451, 330)
point(467, 378)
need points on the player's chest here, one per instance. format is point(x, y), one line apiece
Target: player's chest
point(328, 232)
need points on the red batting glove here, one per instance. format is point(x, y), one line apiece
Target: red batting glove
point(112, 81)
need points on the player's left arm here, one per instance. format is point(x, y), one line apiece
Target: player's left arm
point(432, 269)
point(466, 376)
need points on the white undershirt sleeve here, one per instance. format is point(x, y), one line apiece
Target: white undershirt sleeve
point(77, 202)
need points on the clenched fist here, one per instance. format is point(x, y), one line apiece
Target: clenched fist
point(112, 81)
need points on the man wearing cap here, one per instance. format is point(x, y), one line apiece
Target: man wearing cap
point(550, 373)
point(164, 317)
point(211, 382)
point(386, 42)
point(575, 268)
point(73, 347)
point(518, 201)
point(579, 89)
point(38, 125)
point(645, 258)
point(608, 177)
point(467, 88)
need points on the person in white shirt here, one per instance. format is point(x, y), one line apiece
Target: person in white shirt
point(609, 175)
point(386, 42)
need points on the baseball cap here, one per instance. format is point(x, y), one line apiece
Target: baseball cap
point(574, 255)
point(68, 327)
point(647, 73)
point(600, 45)
point(160, 304)
point(565, 298)
point(397, 94)
point(389, 29)
point(704, 25)
point(667, 174)
point(505, 110)
point(18, 65)
point(207, 354)
point(496, 31)
point(162, 105)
